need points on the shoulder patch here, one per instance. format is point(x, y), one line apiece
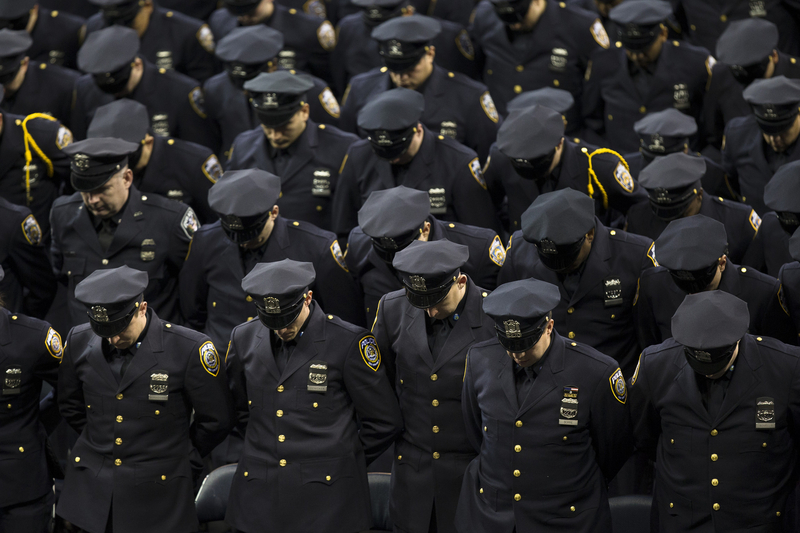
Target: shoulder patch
point(755, 220)
point(477, 172)
point(651, 253)
point(206, 38)
point(329, 102)
point(64, 137)
point(198, 101)
point(53, 343)
point(327, 36)
point(31, 230)
point(623, 177)
point(636, 372)
point(464, 45)
point(488, 107)
point(599, 33)
point(370, 352)
point(212, 168)
point(710, 62)
point(189, 223)
point(228, 351)
point(338, 256)
point(617, 382)
point(209, 358)
point(510, 237)
point(497, 253)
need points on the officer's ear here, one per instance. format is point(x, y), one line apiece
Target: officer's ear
point(664, 32)
point(723, 262)
point(425, 232)
point(773, 57)
point(590, 236)
point(407, 11)
point(275, 212)
point(431, 53)
point(142, 308)
point(127, 177)
point(32, 19)
point(308, 298)
point(304, 112)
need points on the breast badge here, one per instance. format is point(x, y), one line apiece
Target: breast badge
point(159, 386)
point(317, 377)
point(569, 407)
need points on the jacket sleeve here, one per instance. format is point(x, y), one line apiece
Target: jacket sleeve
point(194, 125)
point(193, 286)
point(71, 403)
point(183, 229)
point(646, 420)
point(484, 123)
point(611, 430)
point(646, 328)
point(346, 199)
point(470, 409)
point(28, 260)
point(471, 201)
point(508, 271)
point(237, 383)
point(337, 290)
point(776, 322)
point(381, 333)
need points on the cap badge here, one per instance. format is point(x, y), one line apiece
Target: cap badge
point(395, 48)
point(383, 138)
point(374, 13)
point(548, 247)
point(683, 275)
point(703, 357)
point(272, 305)
point(656, 143)
point(234, 223)
point(99, 313)
point(81, 161)
point(388, 243)
point(418, 283)
point(632, 30)
point(662, 195)
point(512, 329)
point(769, 112)
point(738, 70)
point(271, 100)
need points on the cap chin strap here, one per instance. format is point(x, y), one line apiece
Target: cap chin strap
point(29, 141)
point(593, 174)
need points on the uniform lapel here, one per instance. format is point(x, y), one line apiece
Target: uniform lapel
point(463, 333)
point(83, 226)
point(130, 224)
point(505, 378)
point(5, 333)
point(306, 145)
point(264, 353)
point(688, 382)
point(231, 257)
point(11, 143)
point(306, 347)
point(418, 335)
point(742, 380)
point(94, 354)
point(546, 382)
point(419, 169)
point(145, 358)
point(596, 264)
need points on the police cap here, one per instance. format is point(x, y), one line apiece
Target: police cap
point(375, 12)
point(558, 218)
point(672, 182)
point(124, 119)
point(556, 99)
point(665, 132)
point(428, 270)
point(402, 41)
point(708, 325)
point(691, 244)
point(244, 199)
point(238, 8)
point(108, 50)
point(279, 289)
point(745, 43)
point(639, 21)
point(277, 96)
point(393, 218)
point(782, 195)
point(13, 45)
point(112, 296)
point(250, 45)
point(521, 311)
point(531, 133)
point(794, 246)
point(95, 161)
point(14, 9)
point(774, 102)
point(393, 110)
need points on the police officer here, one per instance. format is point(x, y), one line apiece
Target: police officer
point(646, 73)
point(180, 170)
point(250, 231)
point(596, 270)
point(307, 156)
point(534, 157)
point(674, 185)
point(308, 41)
point(169, 39)
point(400, 150)
point(246, 52)
point(692, 256)
point(141, 392)
point(715, 405)
point(32, 87)
point(299, 379)
point(789, 277)
point(114, 69)
point(425, 330)
point(769, 250)
point(455, 106)
point(757, 145)
point(392, 219)
point(549, 418)
point(29, 285)
point(56, 35)
point(109, 223)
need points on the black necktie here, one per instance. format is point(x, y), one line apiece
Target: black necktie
point(250, 258)
point(282, 356)
point(716, 395)
point(120, 361)
point(281, 161)
point(106, 233)
point(440, 330)
point(524, 384)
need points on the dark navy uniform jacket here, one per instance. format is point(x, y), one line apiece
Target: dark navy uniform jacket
point(154, 235)
point(57, 36)
point(31, 350)
point(612, 100)
point(748, 472)
point(789, 277)
point(173, 40)
point(303, 446)
point(307, 40)
point(211, 292)
point(659, 298)
point(617, 189)
point(715, 181)
point(229, 108)
point(555, 54)
point(174, 102)
point(29, 285)
point(455, 106)
point(133, 451)
point(376, 277)
point(421, 480)
point(769, 250)
point(357, 52)
point(561, 467)
point(183, 171)
point(600, 313)
point(46, 174)
point(744, 157)
point(450, 173)
point(45, 89)
point(199, 9)
point(740, 220)
point(310, 178)
point(81, 8)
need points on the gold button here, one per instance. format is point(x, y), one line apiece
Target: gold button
point(279, 413)
point(518, 423)
point(517, 448)
point(401, 381)
point(249, 402)
point(104, 261)
point(315, 405)
point(723, 18)
point(489, 72)
point(714, 432)
point(610, 117)
point(319, 207)
point(792, 61)
point(451, 225)
point(77, 459)
point(118, 462)
point(281, 438)
point(118, 441)
point(441, 137)
point(144, 198)
point(280, 388)
point(759, 339)
point(672, 441)
point(584, 150)
point(295, 223)
point(436, 429)
point(517, 497)
point(574, 343)
point(158, 412)
point(517, 89)
point(565, 438)
point(643, 110)
point(327, 478)
point(716, 507)
point(170, 13)
point(21, 449)
point(293, 11)
point(162, 70)
point(171, 142)
point(320, 126)
point(481, 491)
point(671, 505)
point(520, 68)
point(119, 396)
point(556, 83)
point(18, 122)
point(399, 457)
point(436, 455)
point(435, 403)
point(485, 294)
point(249, 299)
point(9, 406)
point(613, 232)
point(714, 482)
point(485, 428)
point(119, 418)
point(744, 270)
point(618, 44)
point(571, 334)
point(451, 75)
point(517, 473)
point(434, 377)
point(694, 28)
point(714, 457)
point(779, 513)
point(764, 445)
point(246, 474)
point(571, 310)
point(163, 478)
point(282, 462)
point(168, 325)
point(572, 508)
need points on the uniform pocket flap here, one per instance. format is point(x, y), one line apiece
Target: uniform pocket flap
point(252, 468)
point(86, 459)
point(73, 266)
point(327, 472)
point(162, 472)
point(409, 455)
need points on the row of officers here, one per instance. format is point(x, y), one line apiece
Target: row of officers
point(499, 423)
